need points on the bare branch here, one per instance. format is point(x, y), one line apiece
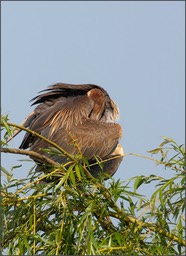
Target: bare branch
point(30, 153)
point(43, 138)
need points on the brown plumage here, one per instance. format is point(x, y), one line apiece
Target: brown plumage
point(83, 114)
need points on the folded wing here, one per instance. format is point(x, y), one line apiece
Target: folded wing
point(79, 118)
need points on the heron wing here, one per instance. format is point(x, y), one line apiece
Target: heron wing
point(89, 139)
point(64, 116)
point(62, 90)
point(64, 113)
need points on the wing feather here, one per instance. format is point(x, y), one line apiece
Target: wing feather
point(90, 139)
point(67, 108)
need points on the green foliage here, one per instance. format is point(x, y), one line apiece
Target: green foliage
point(67, 212)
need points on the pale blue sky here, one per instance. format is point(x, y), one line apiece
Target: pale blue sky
point(135, 50)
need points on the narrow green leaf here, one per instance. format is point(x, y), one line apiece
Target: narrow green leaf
point(138, 182)
point(78, 172)
point(72, 178)
point(155, 151)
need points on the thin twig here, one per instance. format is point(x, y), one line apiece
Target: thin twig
point(34, 228)
point(30, 153)
point(154, 160)
point(43, 138)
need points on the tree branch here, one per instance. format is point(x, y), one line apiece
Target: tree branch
point(30, 153)
point(43, 138)
point(119, 214)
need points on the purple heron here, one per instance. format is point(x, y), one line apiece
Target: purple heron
point(83, 114)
